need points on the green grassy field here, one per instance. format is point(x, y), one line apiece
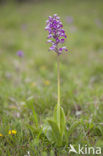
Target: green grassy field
point(33, 78)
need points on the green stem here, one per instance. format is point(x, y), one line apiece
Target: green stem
point(58, 104)
point(58, 70)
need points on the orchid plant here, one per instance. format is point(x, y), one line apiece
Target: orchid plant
point(56, 127)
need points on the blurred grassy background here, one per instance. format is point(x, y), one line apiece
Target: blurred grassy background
point(34, 75)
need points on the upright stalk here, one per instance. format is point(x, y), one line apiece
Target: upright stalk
point(58, 70)
point(58, 78)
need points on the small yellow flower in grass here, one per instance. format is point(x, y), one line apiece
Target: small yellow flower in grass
point(33, 84)
point(12, 131)
point(43, 67)
point(47, 82)
point(1, 135)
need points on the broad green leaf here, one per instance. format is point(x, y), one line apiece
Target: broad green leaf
point(62, 119)
point(56, 132)
point(49, 133)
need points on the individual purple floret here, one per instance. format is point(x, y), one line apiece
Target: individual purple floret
point(20, 53)
point(56, 35)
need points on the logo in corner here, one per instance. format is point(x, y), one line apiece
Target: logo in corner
point(85, 150)
point(72, 149)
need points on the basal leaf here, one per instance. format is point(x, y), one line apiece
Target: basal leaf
point(49, 133)
point(62, 121)
point(56, 132)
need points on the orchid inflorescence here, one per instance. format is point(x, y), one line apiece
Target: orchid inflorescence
point(56, 34)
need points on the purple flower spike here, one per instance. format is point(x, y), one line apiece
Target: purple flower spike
point(56, 35)
point(20, 53)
